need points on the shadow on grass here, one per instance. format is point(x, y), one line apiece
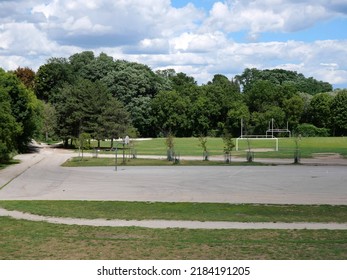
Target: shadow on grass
point(8, 163)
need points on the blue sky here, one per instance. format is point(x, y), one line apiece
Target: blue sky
point(200, 38)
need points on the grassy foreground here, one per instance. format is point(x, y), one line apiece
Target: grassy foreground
point(21, 239)
point(182, 211)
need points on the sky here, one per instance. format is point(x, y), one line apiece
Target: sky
point(200, 38)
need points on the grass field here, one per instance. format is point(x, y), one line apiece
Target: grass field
point(190, 146)
point(20, 239)
point(26, 240)
point(182, 211)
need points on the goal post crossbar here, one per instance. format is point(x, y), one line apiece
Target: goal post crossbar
point(256, 137)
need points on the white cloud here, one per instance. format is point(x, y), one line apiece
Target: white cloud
point(256, 16)
point(127, 21)
point(24, 38)
point(193, 42)
point(187, 39)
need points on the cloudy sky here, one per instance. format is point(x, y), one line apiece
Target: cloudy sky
point(200, 38)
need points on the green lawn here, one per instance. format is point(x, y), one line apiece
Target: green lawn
point(182, 211)
point(190, 146)
point(27, 240)
point(20, 239)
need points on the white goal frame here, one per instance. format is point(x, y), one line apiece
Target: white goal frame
point(256, 137)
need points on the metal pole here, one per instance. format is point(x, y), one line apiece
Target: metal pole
point(115, 161)
point(123, 154)
point(241, 127)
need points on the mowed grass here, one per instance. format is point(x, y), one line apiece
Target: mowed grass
point(20, 239)
point(191, 146)
point(182, 211)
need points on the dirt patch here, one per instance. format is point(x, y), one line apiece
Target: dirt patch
point(327, 155)
point(262, 150)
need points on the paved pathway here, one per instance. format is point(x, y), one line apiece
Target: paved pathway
point(40, 176)
point(171, 224)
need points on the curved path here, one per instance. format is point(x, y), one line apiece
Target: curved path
point(170, 224)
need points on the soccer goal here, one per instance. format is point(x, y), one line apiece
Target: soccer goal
point(265, 142)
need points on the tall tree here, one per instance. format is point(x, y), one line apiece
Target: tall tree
point(49, 121)
point(27, 76)
point(9, 128)
point(294, 109)
point(88, 107)
point(170, 113)
point(24, 106)
point(238, 111)
point(339, 113)
point(113, 122)
point(281, 76)
point(51, 77)
point(319, 111)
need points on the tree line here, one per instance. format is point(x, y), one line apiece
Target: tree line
point(107, 98)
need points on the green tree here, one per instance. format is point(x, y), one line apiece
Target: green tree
point(339, 113)
point(319, 111)
point(113, 122)
point(49, 121)
point(203, 145)
point(129, 80)
point(261, 95)
point(280, 77)
point(170, 113)
point(181, 81)
point(51, 77)
point(24, 106)
point(140, 113)
point(228, 145)
point(79, 63)
point(9, 128)
point(78, 105)
point(238, 111)
point(294, 109)
point(88, 107)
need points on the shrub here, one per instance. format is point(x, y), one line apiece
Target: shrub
point(309, 130)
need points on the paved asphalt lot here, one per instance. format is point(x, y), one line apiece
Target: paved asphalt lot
point(40, 177)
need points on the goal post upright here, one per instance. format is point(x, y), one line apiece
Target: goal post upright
point(271, 130)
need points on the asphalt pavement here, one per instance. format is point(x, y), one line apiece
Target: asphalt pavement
point(40, 177)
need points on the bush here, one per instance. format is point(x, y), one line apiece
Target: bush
point(309, 130)
point(4, 152)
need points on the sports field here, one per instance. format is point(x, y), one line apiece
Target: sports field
point(308, 146)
